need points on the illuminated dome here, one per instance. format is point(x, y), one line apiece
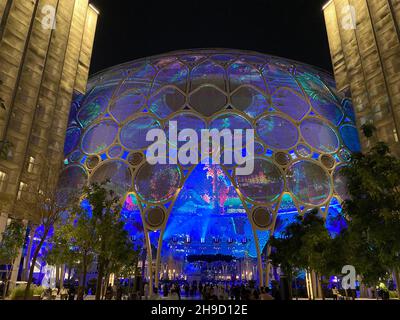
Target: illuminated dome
point(305, 134)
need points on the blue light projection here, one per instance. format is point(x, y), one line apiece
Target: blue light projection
point(133, 221)
point(287, 215)
point(301, 123)
point(208, 217)
point(335, 220)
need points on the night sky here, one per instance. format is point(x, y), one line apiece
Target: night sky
point(131, 29)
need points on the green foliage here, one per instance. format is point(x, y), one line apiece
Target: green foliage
point(63, 250)
point(374, 186)
point(97, 235)
point(307, 245)
point(113, 247)
point(12, 240)
point(18, 293)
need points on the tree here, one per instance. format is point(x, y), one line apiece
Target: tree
point(45, 206)
point(74, 241)
point(374, 211)
point(119, 254)
point(98, 234)
point(307, 245)
point(63, 251)
point(12, 240)
point(113, 245)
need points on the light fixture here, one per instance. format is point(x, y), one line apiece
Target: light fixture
point(327, 4)
point(94, 8)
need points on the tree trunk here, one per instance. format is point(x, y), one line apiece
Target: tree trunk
point(320, 287)
point(69, 274)
point(105, 285)
point(84, 276)
point(62, 276)
point(7, 282)
point(33, 263)
point(99, 280)
point(25, 273)
point(57, 276)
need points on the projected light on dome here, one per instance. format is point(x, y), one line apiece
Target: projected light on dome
point(305, 135)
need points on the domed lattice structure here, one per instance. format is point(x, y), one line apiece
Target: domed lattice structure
point(305, 134)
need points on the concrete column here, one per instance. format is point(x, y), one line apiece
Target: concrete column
point(3, 223)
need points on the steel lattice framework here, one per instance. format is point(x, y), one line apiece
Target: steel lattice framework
point(305, 134)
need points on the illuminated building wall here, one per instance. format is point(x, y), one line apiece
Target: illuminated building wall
point(364, 39)
point(41, 65)
point(305, 134)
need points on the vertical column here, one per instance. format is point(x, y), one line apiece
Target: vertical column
point(386, 34)
point(47, 99)
point(26, 98)
point(352, 59)
point(12, 50)
point(336, 47)
point(5, 6)
point(85, 56)
point(65, 90)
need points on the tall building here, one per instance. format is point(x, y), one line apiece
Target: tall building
point(45, 53)
point(364, 39)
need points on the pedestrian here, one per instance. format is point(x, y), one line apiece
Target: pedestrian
point(71, 293)
point(335, 293)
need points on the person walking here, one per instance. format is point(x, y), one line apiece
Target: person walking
point(71, 293)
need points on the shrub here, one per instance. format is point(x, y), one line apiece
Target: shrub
point(19, 292)
point(37, 291)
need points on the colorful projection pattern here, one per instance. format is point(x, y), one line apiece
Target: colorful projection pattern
point(305, 134)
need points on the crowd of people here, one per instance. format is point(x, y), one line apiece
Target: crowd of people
point(213, 291)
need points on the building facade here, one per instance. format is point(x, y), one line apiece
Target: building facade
point(45, 53)
point(364, 39)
